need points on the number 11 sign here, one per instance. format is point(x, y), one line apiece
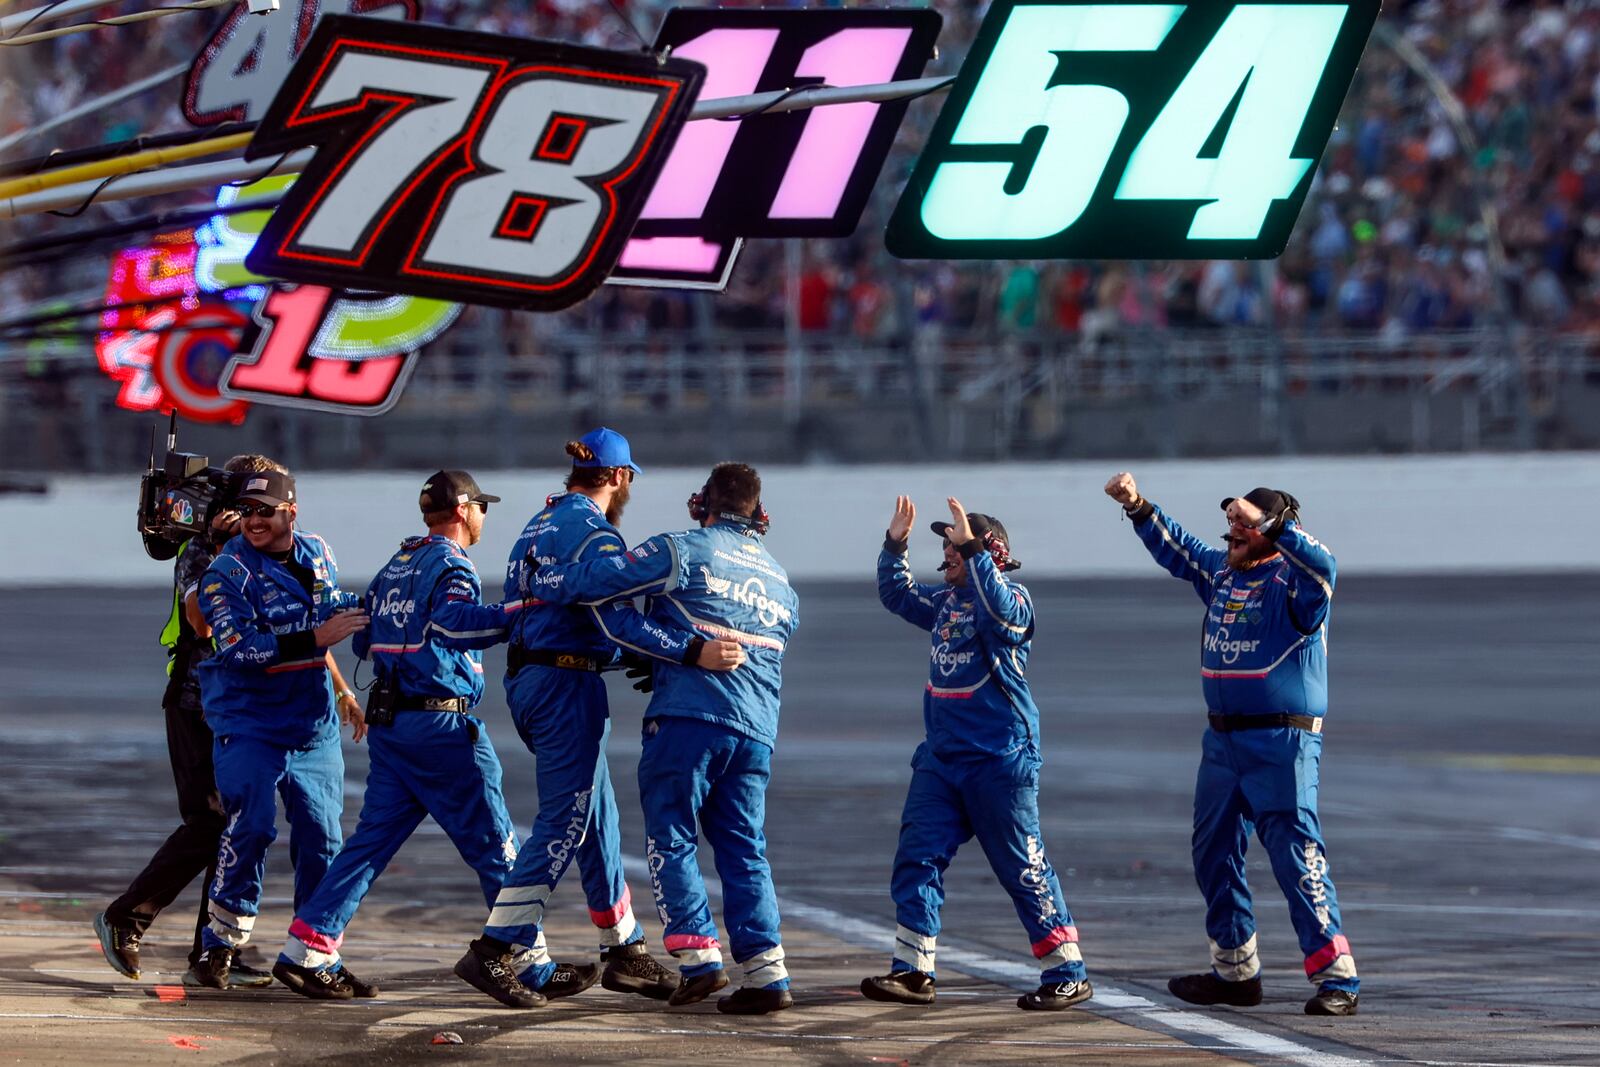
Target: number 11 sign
point(1132, 131)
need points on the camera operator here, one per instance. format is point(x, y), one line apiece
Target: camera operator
point(273, 601)
point(192, 848)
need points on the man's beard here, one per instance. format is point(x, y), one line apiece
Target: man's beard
point(619, 501)
point(1251, 555)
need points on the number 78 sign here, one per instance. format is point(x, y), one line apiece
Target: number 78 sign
point(1132, 131)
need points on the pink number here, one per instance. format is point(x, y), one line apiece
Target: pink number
point(834, 135)
point(294, 316)
point(358, 384)
point(734, 60)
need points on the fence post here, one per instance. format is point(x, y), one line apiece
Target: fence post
point(794, 354)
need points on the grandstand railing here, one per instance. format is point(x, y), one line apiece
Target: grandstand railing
point(977, 395)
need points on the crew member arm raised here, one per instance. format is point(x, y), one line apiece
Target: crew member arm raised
point(898, 590)
point(1182, 554)
point(1007, 609)
point(1310, 576)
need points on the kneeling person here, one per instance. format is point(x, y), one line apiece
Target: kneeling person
point(977, 773)
point(430, 754)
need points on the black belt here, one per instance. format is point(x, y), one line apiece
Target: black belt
point(459, 705)
point(1225, 724)
point(518, 657)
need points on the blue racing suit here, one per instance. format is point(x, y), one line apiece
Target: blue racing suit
point(708, 735)
point(1263, 652)
point(563, 717)
point(268, 701)
point(977, 773)
point(428, 625)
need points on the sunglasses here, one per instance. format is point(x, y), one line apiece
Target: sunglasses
point(246, 509)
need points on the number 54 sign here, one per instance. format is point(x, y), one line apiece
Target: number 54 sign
point(1132, 131)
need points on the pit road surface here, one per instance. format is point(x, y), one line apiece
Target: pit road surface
point(1461, 774)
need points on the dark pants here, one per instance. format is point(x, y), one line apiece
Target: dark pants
point(191, 849)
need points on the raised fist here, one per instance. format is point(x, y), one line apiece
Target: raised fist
point(1123, 489)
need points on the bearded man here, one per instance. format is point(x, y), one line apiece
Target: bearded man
point(1264, 672)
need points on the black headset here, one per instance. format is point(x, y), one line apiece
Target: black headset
point(758, 520)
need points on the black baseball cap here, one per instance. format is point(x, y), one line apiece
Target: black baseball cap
point(982, 525)
point(1270, 501)
point(271, 487)
point(445, 489)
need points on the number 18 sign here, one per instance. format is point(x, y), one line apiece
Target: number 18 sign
point(1132, 130)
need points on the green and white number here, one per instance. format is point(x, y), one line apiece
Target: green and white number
point(1277, 52)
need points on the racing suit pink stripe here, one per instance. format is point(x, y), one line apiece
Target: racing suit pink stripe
point(613, 916)
point(1320, 959)
point(1059, 936)
point(675, 942)
point(313, 940)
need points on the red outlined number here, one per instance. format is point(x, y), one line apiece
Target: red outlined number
point(464, 166)
point(278, 370)
point(400, 146)
point(622, 115)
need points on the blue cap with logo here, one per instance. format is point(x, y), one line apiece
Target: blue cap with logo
point(609, 449)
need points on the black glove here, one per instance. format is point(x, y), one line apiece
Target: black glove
point(1290, 510)
point(643, 671)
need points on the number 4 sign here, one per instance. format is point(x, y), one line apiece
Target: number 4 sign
point(465, 166)
point(1130, 130)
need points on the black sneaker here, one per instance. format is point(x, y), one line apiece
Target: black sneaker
point(1056, 996)
point(318, 983)
point(1332, 1002)
point(631, 969)
point(748, 1001)
point(900, 987)
point(694, 990)
point(243, 976)
point(120, 944)
point(496, 976)
point(1209, 989)
point(570, 979)
point(358, 989)
point(211, 970)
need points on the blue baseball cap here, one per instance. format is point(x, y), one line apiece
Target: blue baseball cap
point(610, 449)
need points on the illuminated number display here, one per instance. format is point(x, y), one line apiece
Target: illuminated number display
point(1128, 131)
point(806, 173)
point(278, 368)
point(465, 166)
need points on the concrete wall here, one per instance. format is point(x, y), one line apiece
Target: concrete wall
point(1432, 514)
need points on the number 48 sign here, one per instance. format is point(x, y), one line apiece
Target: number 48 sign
point(1131, 130)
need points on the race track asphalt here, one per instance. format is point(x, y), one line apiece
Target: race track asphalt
point(1460, 782)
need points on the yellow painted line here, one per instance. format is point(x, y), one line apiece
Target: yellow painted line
point(1527, 764)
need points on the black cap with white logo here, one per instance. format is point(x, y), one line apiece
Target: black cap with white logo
point(445, 489)
point(272, 487)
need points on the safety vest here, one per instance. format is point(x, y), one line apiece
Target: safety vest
point(174, 628)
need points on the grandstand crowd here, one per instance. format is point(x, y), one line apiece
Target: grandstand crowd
point(1444, 201)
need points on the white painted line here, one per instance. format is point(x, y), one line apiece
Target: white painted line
point(1517, 833)
point(1124, 1007)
